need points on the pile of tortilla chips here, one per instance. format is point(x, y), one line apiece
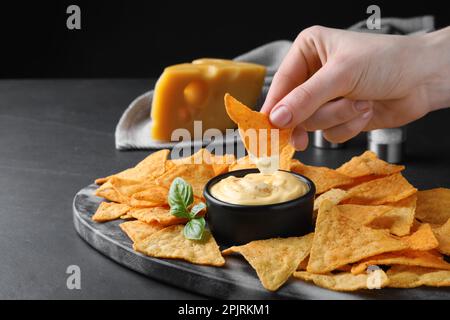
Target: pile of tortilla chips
point(373, 229)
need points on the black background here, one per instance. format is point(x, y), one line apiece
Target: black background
point(139, 38)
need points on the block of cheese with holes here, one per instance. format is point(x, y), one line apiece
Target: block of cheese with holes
point(194, 91)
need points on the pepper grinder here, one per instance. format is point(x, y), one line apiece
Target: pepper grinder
point(388, 144)
point(320, 142)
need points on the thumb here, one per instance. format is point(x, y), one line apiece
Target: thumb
point(298, 105)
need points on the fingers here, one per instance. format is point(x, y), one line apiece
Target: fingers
point(292, 71)
point(299, 63)
point(349, 129)
point(336, 112)
point(299, 138)
point(298, 105)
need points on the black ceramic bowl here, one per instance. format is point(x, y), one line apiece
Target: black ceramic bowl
point(235, 224)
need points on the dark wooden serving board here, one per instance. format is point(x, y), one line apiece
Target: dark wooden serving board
point(237, 280)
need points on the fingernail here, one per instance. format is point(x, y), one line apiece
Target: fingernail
point(281, 116)
point(368, 114)
point(361, 106)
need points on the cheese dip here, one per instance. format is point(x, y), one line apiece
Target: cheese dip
point(259, 189)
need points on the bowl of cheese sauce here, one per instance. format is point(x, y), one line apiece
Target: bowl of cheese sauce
point(246, 205)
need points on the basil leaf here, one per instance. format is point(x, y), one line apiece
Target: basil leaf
point(193, 230)
point(180, 198)
point(197, 208)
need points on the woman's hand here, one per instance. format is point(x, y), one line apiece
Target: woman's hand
point(346, 82)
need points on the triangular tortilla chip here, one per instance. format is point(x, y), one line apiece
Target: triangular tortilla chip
point(171, 243)
point(368, 164)
point(275, 259)
point(380, 191)
point(120, 190)
point(286, 155)
point(433, 206)
point(110, 211)
point(151, 167)
point(333, 195)
point(253, 122)
point(399, 217)
point(412, 277)
point(196, 175)
point(345, 281)
point(428, 259)
point(442, 234)
point(323, 178)
point(137, 230)
point(153, 197)
point(158, 215)
point(340, 240)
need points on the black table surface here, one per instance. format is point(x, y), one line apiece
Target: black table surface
point(56, 136)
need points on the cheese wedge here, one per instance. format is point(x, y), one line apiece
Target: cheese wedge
point(194, 91)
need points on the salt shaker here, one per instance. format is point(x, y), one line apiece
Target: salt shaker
point(319, 141)
point(388, 144)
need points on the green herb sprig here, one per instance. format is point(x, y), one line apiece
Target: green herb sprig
point(181, 198)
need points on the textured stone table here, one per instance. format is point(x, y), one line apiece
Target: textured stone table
point(57, 135)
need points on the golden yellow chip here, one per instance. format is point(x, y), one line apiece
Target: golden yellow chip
point(363, 215)
point(196, 175)
point(340, 240)
point(255, 129)
point(109, 192)
point(442, 234)
point(286, 155)
point(275, 259)
point(137, 230)
point(120, 190)
point(368, 164)
point(412, 277)
point(110, 211)
point(126, 216)
point(421, 238)
point(152, 166)
point(159, 215)
point(427, 259)
point(392, 188)
point(399, 217)
point(346, 281)
point(433, 206)
point(324, 178)
point(153, 197)
point(171, 243)
point(333, 195)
